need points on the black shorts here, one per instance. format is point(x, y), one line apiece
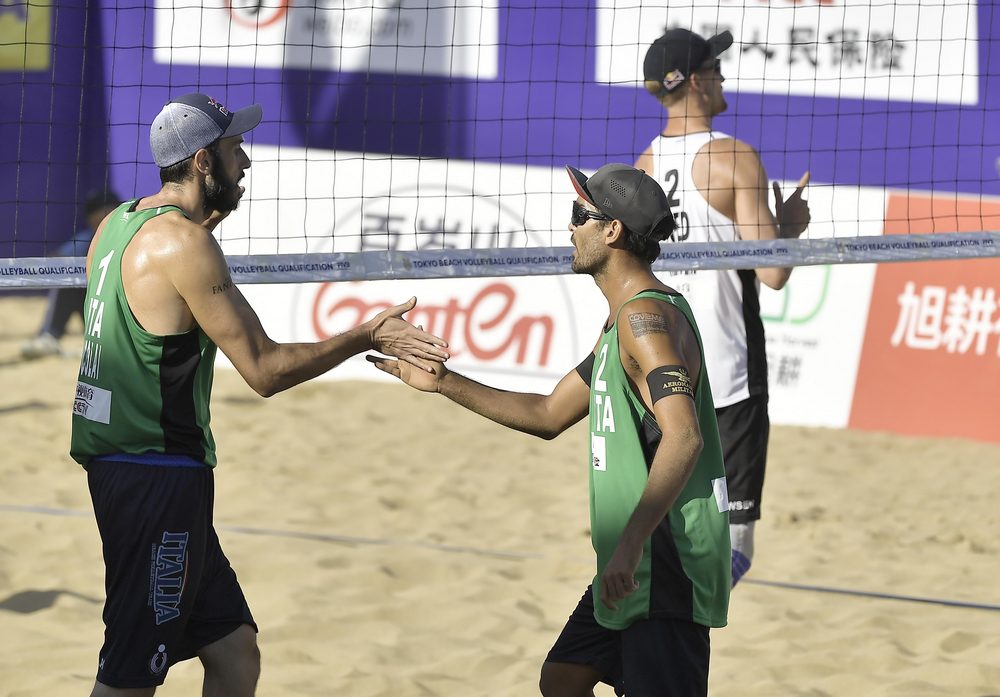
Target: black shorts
point(744, 429)
point(170, 589)
point(650, 658)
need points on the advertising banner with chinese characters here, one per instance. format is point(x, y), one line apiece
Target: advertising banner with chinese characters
point(920, 50)
point(931, 358)
point(396, 37)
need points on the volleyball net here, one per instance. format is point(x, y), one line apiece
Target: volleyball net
point(428, 139)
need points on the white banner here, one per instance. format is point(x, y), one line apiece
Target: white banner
point(905, 50)
point(454, 39)
point(514, 333)
point(312, 200)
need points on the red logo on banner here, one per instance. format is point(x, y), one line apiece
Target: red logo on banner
point(485, 326)
point(930, 364)
point(257, 13)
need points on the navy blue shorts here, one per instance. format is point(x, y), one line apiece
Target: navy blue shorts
point(743, 429)
point(170, 589)
point(651, 658)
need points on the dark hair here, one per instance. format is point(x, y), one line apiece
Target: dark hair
point(180, 172)
point(647, 247)
point(98, 200)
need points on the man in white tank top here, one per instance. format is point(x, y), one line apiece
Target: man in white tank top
point(718, 191)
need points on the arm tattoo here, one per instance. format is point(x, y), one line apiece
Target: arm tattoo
point(222, 287)
point(643, 323)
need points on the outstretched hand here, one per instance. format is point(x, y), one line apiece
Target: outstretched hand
point(792, 213)
point(394, 336)
point(423, 380)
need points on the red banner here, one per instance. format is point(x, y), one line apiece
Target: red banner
point(930, 364)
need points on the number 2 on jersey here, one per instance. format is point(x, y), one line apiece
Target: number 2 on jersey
point(680, 217)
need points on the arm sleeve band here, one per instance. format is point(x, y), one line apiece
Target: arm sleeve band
point(667, 380)
point(586, 368)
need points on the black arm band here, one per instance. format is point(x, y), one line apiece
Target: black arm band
point(667, 380)
point(586, 368)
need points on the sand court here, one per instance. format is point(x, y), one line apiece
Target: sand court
point(391, 543)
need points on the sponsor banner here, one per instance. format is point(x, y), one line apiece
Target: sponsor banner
point(525, 333)
point(515, 333)
point(550, 322)
point(454, 39)
point(931, 358)
point(301, 200)
point(908, 50)
point(815, 328)
point(25, 35)
point(817, 320)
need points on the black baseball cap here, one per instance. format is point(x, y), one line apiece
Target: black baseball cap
point(627, 194)
point(680, 52)
point(188, 123)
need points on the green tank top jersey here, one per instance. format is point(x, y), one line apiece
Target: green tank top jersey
point(138, 393)
point(685, 572)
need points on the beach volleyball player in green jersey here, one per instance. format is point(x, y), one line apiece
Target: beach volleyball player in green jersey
point(658, 503)
point(159, 301)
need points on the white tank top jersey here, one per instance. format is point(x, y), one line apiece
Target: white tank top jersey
point(725, 303)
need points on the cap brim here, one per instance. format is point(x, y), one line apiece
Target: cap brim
point(719, 43)
point(244, 120)
point(579, 180)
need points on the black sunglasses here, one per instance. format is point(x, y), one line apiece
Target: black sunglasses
point(581, 215)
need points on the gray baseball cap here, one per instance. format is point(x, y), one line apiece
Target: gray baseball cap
point(627, 194)
point(194, 121)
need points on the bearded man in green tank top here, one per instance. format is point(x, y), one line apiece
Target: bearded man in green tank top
point(658, 501)
point(159, 302)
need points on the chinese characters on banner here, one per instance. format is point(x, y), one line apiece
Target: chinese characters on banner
point(956, 320)
point(930, 364)
point(922, 50)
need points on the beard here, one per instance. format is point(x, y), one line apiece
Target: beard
point(581, 265)
point(220, 193)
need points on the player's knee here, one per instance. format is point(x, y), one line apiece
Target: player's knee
point(565, 680)
point(248, 652)
point(548, 682)
point(234, 659)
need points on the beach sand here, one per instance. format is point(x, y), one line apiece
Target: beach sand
point(391, 543)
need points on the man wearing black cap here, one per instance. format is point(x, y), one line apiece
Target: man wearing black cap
point(659, 520)
point(718, 191)
point(159, 302)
